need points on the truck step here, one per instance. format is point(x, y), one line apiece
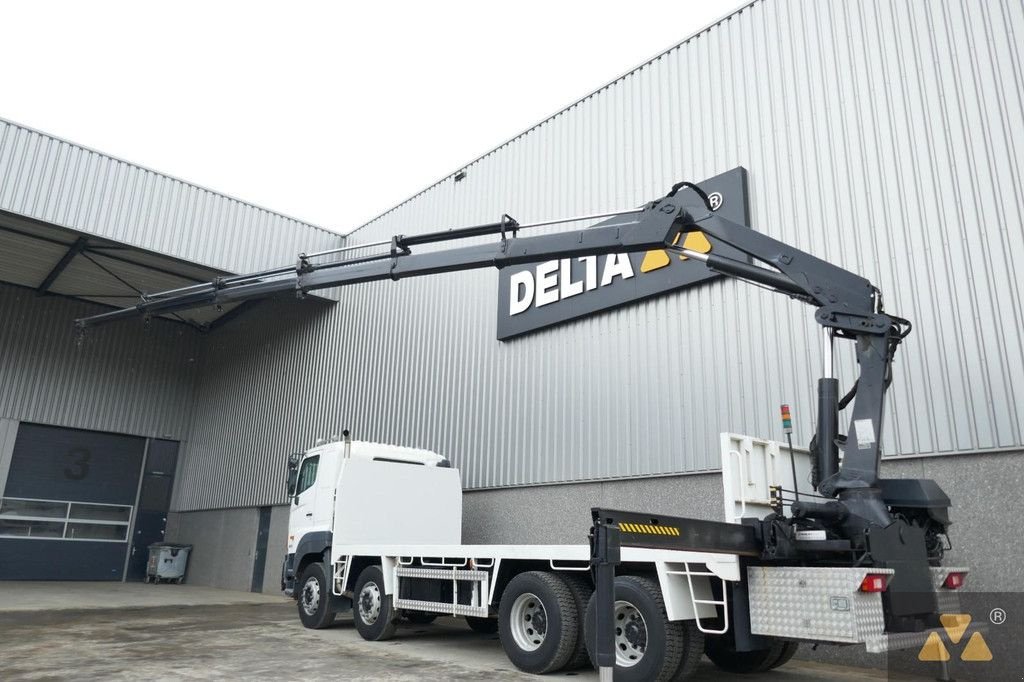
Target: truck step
point(478, 608)
point(439, 573)
point(442, 607)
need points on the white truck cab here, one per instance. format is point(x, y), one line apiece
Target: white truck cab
point(360, 492)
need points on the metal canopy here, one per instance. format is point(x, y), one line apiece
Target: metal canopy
point(57, 260)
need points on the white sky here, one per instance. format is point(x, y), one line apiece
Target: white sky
point(330, 112)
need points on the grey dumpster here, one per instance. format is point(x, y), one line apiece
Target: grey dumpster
point(167, 561)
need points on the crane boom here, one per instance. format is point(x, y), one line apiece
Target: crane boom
point(848, 307)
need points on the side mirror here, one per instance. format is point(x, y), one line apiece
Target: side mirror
point(293, 473)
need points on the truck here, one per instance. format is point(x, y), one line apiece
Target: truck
point(814, 547)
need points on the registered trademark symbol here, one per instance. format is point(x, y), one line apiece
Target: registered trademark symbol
point(715, 199)
point(997, 616)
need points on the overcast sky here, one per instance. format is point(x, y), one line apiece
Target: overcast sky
point(331, 112)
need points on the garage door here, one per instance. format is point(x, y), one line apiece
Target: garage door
point(67, 507)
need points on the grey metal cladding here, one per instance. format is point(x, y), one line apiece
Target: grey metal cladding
point(59, 182)
point(130, 379)
point(884, 137)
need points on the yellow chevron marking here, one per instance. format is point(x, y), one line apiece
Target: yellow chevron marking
point(648, 529)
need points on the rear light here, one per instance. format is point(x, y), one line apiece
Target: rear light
point(954, 581)
point(873, 582)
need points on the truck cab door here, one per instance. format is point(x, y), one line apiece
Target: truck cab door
point(301, 516)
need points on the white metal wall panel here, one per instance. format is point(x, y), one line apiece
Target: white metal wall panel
point(884, 136)
point(124, 378)
point(59, 182)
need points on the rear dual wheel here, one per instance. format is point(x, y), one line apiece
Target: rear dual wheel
point(722, 652)
point(538, 622)
point(648, 646)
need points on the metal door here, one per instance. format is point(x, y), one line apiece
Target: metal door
point(154, 501)
point(66, 508)
point(259, 562)
point(303, 505)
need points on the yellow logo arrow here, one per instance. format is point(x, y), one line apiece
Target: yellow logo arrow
point(658, 258)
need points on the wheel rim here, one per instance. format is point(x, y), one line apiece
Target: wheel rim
point(311, 596)
point(630, 635)
point(369, 603)
point(528, 622)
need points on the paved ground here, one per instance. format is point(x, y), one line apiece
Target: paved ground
point(47, 595)
point(253, 637)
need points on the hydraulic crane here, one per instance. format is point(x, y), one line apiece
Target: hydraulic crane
point(866, 520)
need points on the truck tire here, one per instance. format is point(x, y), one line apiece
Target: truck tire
point(315, 600)
point(485, 626)
point(788, 651)
point(722, 652)
point(537, 622)
point(420, 617)
point(648, 645)
point(374, 616)
point(581, 589)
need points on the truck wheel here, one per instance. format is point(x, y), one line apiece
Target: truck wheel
point(581, 588)
point(788, 651)
point(485, 626)
point(722, 652)
point(316, 603)
point(648, 646)
point(372, 612)
point(420, 617)
point(537, 622)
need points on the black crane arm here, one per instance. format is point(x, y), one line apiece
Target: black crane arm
point(848, 305)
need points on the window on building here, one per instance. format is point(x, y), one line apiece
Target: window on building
point(63, 520)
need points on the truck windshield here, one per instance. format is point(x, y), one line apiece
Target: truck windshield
point(307, 475)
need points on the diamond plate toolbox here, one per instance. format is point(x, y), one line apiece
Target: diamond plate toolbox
point(823, 604)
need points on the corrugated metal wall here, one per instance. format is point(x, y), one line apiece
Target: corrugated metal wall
point(124, 378)
point(883, 136)
point(59, 182)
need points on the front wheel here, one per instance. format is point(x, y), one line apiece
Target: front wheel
point(316, 603)
point(374, 616)
point(648, 646)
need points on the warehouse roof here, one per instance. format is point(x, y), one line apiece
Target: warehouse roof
point(77, 222)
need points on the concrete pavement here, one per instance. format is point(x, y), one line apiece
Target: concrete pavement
point(117, 631)
point(16, 595)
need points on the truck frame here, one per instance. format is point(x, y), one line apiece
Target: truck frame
point(859, 558)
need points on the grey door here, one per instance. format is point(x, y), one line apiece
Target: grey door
point(66, 508)
point(259, 563)
point(154, 501)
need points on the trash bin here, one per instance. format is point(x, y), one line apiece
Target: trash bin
point(167, 561)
